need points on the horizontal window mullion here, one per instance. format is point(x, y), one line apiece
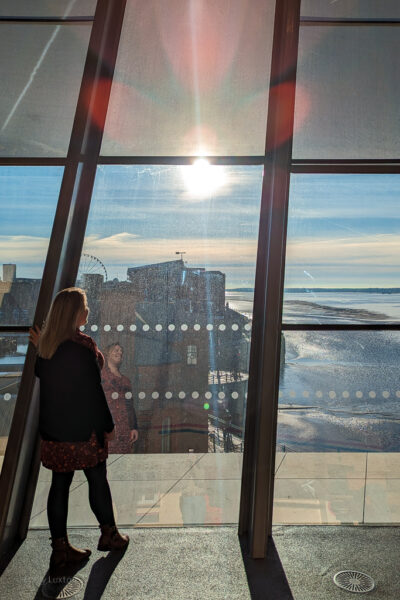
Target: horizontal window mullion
point(14, 328)
point(340, 327)
point(333, 21)
point(180, 160)
point(47, 20)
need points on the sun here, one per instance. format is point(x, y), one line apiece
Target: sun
point(202, 179)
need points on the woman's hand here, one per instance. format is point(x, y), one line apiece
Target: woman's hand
point(34, 334)
point(134, 434)
point(110, 435)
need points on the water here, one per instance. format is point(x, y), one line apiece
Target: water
point(339, 390)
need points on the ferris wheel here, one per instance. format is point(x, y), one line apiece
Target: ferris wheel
point(90, 264)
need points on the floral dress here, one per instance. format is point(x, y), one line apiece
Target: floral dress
point(118, 391)
point(71, 456)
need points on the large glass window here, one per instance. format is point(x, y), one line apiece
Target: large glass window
point(361, 9)
point(47, 8)
point(169, 266)
point(342, 260)
point(13, 347)
point(28, 198)
point(43, 65)
point(347, 93)
point(192, 78)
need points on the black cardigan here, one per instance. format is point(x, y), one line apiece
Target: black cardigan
point(72, 400)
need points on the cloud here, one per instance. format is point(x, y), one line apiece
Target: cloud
point(25, 248)
point(126, 248)
point(380, 249)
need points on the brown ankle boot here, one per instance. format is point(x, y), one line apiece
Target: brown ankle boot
point(65, 554)
point(111, 539)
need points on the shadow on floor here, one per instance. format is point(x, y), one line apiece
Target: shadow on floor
point(265, 576)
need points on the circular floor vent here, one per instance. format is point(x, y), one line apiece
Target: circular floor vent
point(62, 587)
point(354, 581)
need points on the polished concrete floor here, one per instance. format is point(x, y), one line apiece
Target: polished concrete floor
point(204, 489)
point(196, 563)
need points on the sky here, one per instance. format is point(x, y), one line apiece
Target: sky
point(343, 230)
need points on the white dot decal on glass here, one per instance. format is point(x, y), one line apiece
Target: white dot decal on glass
point(210, 326)
point(132, 327)
point(120, 327)
point(345, 394)
point(235, 326)
point(158, 327)
point(184, 327)
point(359, 394)
point(168, 395)
point(245, 395)
point(398, 393)
point(94, 328)
point(247, 326)
point(181, 394)
point(372, 394)
point(332, 394)
point(319, 394)
point(221, 395)
point(171, 327)
point(208, 395)
point(196, 326)
point(292, 394)
point(107, 327)
point(128, 395)
point(114, 395)
point(306, 394)
point(195, 394)
point(235, 395)
point(155, 395)
point(146, 327)
point(385, 394)
point(222, 327)
point(142, 395)
point(82, 328)
point(7, 397)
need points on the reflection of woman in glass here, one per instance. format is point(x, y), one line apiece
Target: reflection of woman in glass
point(118, 390)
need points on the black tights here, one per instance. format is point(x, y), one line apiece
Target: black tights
point(99, 498)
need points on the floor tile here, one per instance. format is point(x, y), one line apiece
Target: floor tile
point(382, 465)
point(217, 466)
point(318, 501)
point(197, 502)
point(278, 460)
point(320, 465)
point(151, 467)
point(382, 501)
point(41, 495)
point(131, 500)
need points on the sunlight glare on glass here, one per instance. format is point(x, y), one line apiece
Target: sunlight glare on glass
point(202, 179)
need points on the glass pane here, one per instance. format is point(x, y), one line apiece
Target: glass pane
point(342, 262)
point(345, 78)
point(191, 78)
point(13, 347)
point(43, 66)
point(363, 9)
point(47, 8)
point(28, 198)
point(339, 391)
point(169, 259)
point(338, 433)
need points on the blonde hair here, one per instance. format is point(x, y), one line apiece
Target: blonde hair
point(61, 321)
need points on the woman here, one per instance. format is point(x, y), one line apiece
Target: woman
point(74, 423)
point(118, 390)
